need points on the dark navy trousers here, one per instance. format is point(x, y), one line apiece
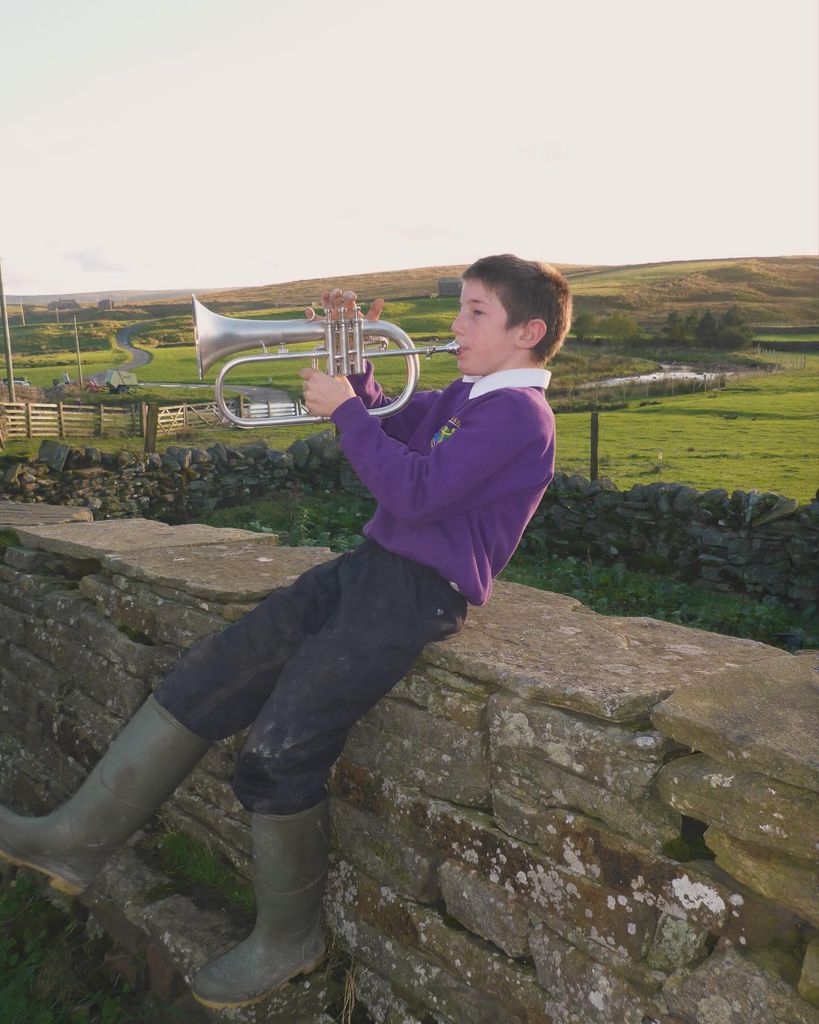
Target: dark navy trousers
point(305, 665)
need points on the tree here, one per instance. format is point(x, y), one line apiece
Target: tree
point(707, 328)
point(583, 326)
point(674, 327)
point(733, 331)
point(619, 326)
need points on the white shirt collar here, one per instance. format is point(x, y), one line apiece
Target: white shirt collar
point(534, 377)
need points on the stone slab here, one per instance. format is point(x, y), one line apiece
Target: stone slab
point(16, 514)
point(729, 989)
point(808, 986)
point(108, 536)
point(744, 804)
point(789, 881)
point(761, 717)
point(246, 568)
point(620, 759)
point(548, 647)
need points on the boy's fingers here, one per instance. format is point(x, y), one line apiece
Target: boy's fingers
point(374, 312)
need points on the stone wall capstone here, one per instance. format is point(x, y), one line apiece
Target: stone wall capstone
point(555, 818)
point(761, 544)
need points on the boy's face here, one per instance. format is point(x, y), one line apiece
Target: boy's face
point(487, 345)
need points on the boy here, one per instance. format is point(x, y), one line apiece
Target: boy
point(457, 475)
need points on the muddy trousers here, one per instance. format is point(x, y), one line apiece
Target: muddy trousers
point(305, 665)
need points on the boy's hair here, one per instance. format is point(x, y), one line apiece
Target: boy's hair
point(528, 290)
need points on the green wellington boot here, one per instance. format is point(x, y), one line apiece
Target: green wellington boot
point(138, 773)
point(290, 867)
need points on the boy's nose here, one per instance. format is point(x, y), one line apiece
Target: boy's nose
point(456, 324)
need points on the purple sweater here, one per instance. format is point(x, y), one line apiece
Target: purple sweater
point(456, 478)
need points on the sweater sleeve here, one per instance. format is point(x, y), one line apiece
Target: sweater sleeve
point(401, 425)
point(462, 471)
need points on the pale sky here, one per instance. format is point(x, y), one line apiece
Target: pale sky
point(210, 143)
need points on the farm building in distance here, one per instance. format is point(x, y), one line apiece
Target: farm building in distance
point(449, 287)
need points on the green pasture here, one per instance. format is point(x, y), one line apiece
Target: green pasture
point(806, 335)
point(759, 433)
point(43, 370)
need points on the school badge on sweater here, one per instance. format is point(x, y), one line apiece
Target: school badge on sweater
point(447, 430)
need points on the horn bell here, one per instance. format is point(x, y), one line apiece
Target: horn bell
point(219, 336)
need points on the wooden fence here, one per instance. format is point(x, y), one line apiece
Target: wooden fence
point(66, 419)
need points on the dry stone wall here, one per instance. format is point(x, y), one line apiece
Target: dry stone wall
point(555, 818)
point(757, 543)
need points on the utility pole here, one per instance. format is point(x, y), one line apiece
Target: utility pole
point(22, 314)
point(79, 361)
point(7, 338)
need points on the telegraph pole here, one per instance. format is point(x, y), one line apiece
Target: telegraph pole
point(79, 361)
point(22, 315)
point(7, 337)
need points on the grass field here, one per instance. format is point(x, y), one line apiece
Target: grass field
point(759, 433)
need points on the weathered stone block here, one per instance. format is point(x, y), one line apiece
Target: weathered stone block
point(808, 986)
point(134, 606)
point(84, 729)
point(698, 892)
point(648, 819)
point(760, 717)
point(514, 811)
point(34, 671)
point(416, 937)
point(729, 989)
point(486, 909)
point(430, 768)
point(391, 859)
point(10, 597)
point(744, 804)
point(585, 991)
point(382, 1003)
point(417, 728)
point(608, 755)
point(12, 625)
point(785, 880)
point(676, 943)
point(45, 563)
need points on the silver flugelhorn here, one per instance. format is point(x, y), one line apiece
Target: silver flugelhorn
point(344, 343)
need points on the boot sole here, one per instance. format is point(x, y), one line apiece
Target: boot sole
point(221, 1005)
point(56, 881)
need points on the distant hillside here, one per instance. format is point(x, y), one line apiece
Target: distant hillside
point(419, 282)
point(768, 290)
point(92, 298)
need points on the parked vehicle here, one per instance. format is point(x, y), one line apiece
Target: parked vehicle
point(23, 382)
point(119, 381)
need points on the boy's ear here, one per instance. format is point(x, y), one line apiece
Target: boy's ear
point(532, 332)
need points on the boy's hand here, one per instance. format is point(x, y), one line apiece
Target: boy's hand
point(335, 300)
point(324, 394)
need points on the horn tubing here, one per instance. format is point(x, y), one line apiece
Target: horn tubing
point(218, 336)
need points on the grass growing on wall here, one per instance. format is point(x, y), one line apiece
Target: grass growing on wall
point(51, 972)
